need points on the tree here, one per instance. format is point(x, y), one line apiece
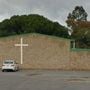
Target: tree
point(80, 27)
point(31, 24)
point(78, 14)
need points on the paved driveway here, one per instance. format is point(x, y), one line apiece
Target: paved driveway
point(45, 80)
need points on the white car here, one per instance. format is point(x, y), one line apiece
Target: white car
point(10, 65)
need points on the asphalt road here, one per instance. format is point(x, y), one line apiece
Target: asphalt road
point(45, 80)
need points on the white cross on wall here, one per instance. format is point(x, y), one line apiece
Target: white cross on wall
point(21, 46)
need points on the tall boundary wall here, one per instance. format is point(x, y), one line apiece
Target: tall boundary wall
point(44, 52)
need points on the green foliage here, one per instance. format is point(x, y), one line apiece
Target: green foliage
point(82, 37)
point(77, 22)
point(31, 24)
point(78, 14)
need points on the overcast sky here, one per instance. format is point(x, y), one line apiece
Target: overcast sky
point(56, 10)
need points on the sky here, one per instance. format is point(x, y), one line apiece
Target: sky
point(55, 10)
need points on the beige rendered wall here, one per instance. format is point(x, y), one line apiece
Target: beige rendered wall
point(44, 52)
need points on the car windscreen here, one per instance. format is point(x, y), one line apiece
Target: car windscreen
point(8, 62)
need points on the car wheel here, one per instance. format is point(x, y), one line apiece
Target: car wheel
point(14, 70)
point(3, 70)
